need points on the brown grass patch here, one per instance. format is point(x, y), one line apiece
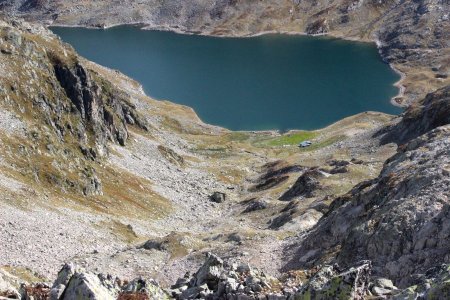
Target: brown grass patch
point(133, 296)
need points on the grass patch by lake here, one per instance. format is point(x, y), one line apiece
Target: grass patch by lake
point(237, 136)
point(293, 138)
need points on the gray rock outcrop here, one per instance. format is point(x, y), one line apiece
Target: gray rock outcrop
point(241, 281)
point(74, 282)
point(98, 105)
point(332, 283)
point(431, 112)
point(217, 279)
point(86, 286)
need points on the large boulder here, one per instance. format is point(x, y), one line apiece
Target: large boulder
point(66, 272)
point(64, 275)
point(87, 286)
point(218, 197)
point(210, 272)
point(383, 287)
point(143, 287)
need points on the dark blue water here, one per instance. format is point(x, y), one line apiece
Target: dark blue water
point(267, 82)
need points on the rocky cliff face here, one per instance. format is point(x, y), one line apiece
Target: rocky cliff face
point(51, 86)
point(100, 106)
point(421, 117)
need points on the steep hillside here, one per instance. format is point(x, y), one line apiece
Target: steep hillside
point(400, 220)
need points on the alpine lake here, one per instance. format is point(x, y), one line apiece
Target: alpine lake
point(271, 81)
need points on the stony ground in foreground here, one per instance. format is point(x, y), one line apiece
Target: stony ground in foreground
point(218, 279)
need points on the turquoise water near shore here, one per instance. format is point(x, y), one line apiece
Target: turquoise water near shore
point(266, 82)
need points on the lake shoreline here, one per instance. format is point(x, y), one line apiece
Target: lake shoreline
point(147, 26)
point(357, 108)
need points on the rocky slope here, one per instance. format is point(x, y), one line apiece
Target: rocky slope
point(60, 152)
point(400, 220)
point(421, 117)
